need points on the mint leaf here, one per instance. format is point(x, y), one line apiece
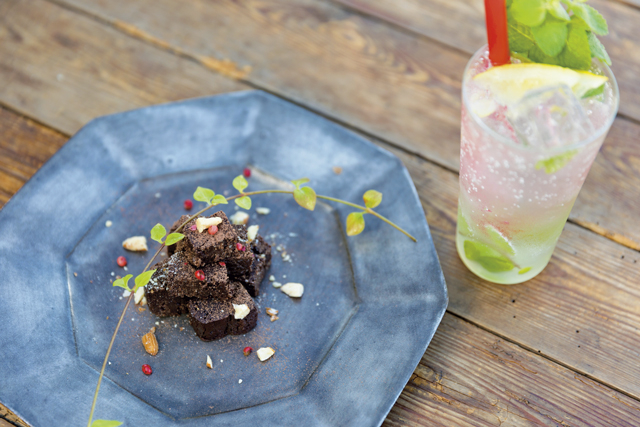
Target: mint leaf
point(551, 36)
point(597, 49)
point(123, 282)
point(490, 259)
point(576, 54)
point(594, 92)
point(305, 197)
point(555, 8)
point(244, 202)
point(529, 12)
point(203, 194)
point(555, 163)
point(106, 423)
point(355, 223)
point(219, 199)
point(158, 232)
point(524, 270)
point(173, 238)
point(520, 37)
point(239, 183)
point(372, 198)
point(299, 182)
point(591, 17)
point(499, 241)
point(142, 279)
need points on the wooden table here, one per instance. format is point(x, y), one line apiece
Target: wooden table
point(562, 349)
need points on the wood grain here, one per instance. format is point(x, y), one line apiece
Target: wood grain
point(469, 377)
point(313, 52)
point(7, 415)
point(401, 88)
point(65, 69)
point(460, 24)
point(24, 147)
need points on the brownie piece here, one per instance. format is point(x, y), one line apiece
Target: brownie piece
point(202, 248)
point(253, 276)
point(172, 249)
point(160, 302)
point(182, 280)
point(212, 319)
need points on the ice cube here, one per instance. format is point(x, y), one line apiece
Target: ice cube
point(550, 117)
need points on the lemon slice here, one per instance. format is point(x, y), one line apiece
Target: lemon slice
point(509, 83)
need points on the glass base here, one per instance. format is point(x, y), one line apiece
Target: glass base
point(511, 277)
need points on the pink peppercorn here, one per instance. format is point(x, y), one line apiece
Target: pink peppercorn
point(121, 261)
point(247, 172)
point(240, 247)
point(146, 369)
point(188, 204)
point(213, 229)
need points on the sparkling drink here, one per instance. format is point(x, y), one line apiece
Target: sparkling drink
point(522, 164)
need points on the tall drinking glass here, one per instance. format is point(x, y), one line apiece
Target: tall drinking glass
point(521, 168)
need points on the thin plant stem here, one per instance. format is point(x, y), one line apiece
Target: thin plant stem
point(371, 211)
point(162, 246)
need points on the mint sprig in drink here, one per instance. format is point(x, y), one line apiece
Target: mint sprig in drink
point(531, 129)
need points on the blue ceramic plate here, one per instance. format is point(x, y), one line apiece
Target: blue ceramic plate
point(344, 351)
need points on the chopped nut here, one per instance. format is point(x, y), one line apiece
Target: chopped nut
point(209, 362)
point(337, 170)
point(203, 224)
point(263, 211)
point(252, 232)
point(75, 274)
point(272, 278)
point(126, 293)
point(271, 311)
point(181, 329)
point(240, 381)
point(108, 224)
point(143, 302)
point(150, 342)
point(141, 309)
point(136, 244)
point(264, 353)
point(274, 318)
point(276, 284)
point(242, 311)
point(294, 290)
point(239, 218)
point(279, 248)
point(139, 294)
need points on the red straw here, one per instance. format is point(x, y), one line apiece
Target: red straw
point(496, 17)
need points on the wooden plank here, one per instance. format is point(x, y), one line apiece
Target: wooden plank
point(7, 415)
point(401, 88)
point(469, 377)
point(24, 147)
point(315, 53)
point(443, 20)
point(582, 310)
point(66, 69)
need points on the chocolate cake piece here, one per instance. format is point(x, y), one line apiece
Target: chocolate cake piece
point(183, 282)
point(212, 319)
point(172, 248)
point(252, 277)
point(202, 248)
point(160, 302)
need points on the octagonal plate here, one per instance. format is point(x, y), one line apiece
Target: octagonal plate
point(343, 352)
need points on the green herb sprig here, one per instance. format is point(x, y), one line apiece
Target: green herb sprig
point(557, 32)
point(304, 196)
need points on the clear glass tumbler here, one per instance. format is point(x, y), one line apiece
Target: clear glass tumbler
point(515, 196)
